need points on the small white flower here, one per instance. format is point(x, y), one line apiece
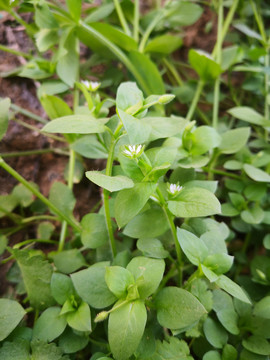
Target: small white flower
point(91, 85)
point(174, 189)
point(133, 151)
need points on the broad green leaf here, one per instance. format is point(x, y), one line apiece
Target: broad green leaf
point(75, 124)
point(249, 115)
point(204, 138)
point(194, 202)
point(129, 202)
point(172, 349)
point(177, 308)
point(55, 107)
point(52, 87)
point(262, 308)
point(126, 327)
point(80, 319)
point(215, 240)
point(36, 273)
point(234, 140)
point(94, 231)
point(7, 204)
point(110, 183)
point(139, 227)
point(43, 351)
point(11, 313)
point(229, 352)
point(129, 97)
point(4, 108)
point(212, 355)
point(138, 131)
point(257, 345)
point(209, 274)
point(74, 7)
point(256, 174)
point(61, 287)
point(68, 261)
point(147, 345)
point(164, 127)
point(205, 184)
point(91, 286)
point(215, 333)
point(254, 215)
point(72, 342)
point(45, 230)
point(148, 272)
point(182, 13)
point(49, 325)
point(23, 195)
point(232, 165)
point(247, 31)
point(44, 17)
point(16, 350)
point(230, 56)
point(232, 288)
point(229, 319)
point(193, 247)
point(149, 72)
point(118, 279)
point(164, 44)
point(46, 38)
point(3, 243)
point(89, 147)
point(204, 65)
point(255, 191)
point(219, 263)
point(199, 288)
point(152, 248)
point(62, 197)
point(100, 12)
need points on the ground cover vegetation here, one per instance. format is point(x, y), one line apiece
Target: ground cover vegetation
point(172, 261)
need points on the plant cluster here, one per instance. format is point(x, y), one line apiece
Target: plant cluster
point(173, 263)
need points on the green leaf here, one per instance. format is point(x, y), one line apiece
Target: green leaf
point(89, 147)
point(126, 327)
point(262, 308)
point(129, 202)
point(80, 319)
point(182, 13)
point(215, 333)
point(37, 275)
point(229, 319)
point(164, 44)
point(61, 287)
point(204, 65)
point(148, 273)
point(94, 231)
point(256, 174)
point(49, 325)
point(11, 313)
point(118, 280)
point(164, 127)
point(100, 12)
point(72, 342)
point(74, 8)
point(219, 263)
point(193, 247)
point(149, 72)
point(68, 261)
point(4, 108)
point(7, 204)
point(139, 227)
point(44, 17)
point(172, 349)
point(3, 243)
point(177, 308)
point(152, 248)
point(16, 350)
point(110, 183)
point(212, 355)
point(204, 138)
point(194, 202)
point(138, 131)
point(23, 196)
point(257, 345)
point(234, 140)
point(55, 107)
point(129, 97)
point(91, 286)
point(229, 353)
point(46, 38)
point(43, 351)
point(254, 215)
point(75, 124)
point(249, 115)
point(45, 230)
point(232, 288)
point(62, 197)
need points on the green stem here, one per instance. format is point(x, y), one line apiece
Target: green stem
point(173, 71)
point(136, 20)
point(15, 52)
point(226, 24)
point(33, 189)
point(218, 60)
point(28, 113)
point(29, 241)
point(31, 152)
point(259, 22)
point(148, 31)
point(266, 86)
point(121, 17)
point(223, 173)
point(195, 100)
point(38, 218)
point(106, 194)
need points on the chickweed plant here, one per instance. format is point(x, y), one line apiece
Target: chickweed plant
point(173, 262)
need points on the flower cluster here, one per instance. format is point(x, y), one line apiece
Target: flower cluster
point(133, 151)
point(91, 85)
point(174, 189)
